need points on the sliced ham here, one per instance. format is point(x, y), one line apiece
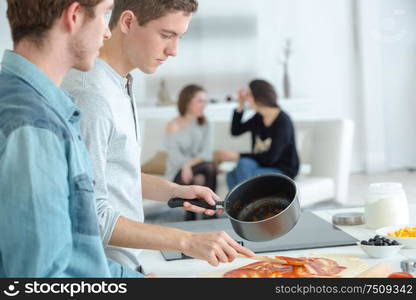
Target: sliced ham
point(323, 266)
point(293, 267)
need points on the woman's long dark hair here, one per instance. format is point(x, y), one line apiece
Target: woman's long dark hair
point(185, 97)
point(263, 93)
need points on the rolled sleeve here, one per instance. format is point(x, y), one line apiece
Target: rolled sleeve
point(107, 219)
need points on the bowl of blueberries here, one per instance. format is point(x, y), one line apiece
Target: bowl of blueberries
point(379, 246)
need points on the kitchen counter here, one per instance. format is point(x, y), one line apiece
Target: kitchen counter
point(153, 261)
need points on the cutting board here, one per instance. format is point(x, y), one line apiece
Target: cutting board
point(354, 265)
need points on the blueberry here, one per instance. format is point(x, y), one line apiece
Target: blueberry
point(364, 243)
point(395, 243)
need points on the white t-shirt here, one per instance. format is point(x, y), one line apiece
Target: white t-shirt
point(110, 130)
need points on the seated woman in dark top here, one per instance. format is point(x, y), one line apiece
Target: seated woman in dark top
point(272, 136)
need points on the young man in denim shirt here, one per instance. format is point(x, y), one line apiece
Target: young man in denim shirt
point(48, 223)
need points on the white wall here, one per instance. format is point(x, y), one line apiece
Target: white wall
point(218, 52)
point(324, 60)
point(387, 46)
point(369, 78)
point(398, 41)
point(5, 38)
point(321, 66)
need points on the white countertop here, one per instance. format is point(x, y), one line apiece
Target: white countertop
point(153, 261)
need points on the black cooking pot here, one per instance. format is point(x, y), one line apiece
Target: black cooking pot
point(261, 208)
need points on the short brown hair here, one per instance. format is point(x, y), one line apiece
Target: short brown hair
point(33, 18)
point(263, 93)
point(185, 97)
point(148, 10)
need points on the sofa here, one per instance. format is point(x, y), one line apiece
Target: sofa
point(324, 146)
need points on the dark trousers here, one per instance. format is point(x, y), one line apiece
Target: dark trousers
point(209, 171)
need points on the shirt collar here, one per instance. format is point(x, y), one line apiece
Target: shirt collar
point(56, 97)
point(113, 73)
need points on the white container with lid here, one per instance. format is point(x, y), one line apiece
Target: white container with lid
point(386, 205)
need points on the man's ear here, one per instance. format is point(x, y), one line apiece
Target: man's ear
point(72, 16)
point(126, 21)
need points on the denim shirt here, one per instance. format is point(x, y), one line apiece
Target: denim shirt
point(48, 221)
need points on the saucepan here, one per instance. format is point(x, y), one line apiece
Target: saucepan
point(261, 208)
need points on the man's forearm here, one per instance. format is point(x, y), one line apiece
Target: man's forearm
point(132, 234)
point(156, 188)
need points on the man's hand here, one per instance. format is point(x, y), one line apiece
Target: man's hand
point(214, 247)
point(196, 191)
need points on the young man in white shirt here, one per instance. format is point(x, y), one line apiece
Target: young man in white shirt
point(144, 35)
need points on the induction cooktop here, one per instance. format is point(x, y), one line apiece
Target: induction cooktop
point(310, 232)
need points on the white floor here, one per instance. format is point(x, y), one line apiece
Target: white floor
point(357, 193)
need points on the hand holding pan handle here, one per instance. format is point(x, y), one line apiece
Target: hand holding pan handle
point(178, 202)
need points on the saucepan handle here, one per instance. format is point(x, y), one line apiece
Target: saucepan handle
point(178, 202)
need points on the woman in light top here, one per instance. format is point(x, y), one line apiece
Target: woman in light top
point(272, 136)
point(188, 143)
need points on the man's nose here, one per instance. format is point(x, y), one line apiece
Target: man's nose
point(107, 33)
point(172, 50)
